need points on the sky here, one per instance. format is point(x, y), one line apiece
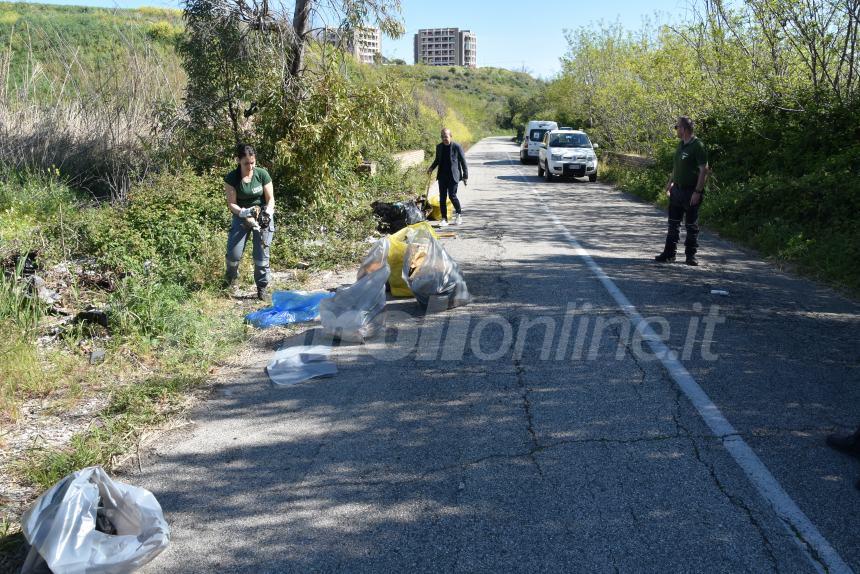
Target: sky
point(511, 34)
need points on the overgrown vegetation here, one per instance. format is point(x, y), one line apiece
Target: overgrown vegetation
point(773, 87)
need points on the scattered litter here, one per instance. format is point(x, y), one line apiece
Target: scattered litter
point(89, 523)
point(446, 234)
point(719, 292)
point(353, 314)
point(289, 307)
point(40, 289)
point(292, 365)
point(430, 272)
point(93, 316)
point(97, 356)
point(397, 243)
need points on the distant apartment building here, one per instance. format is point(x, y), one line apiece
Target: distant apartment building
point(446, 47)
point(363, 43)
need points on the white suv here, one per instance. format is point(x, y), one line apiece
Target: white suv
point(567, 152)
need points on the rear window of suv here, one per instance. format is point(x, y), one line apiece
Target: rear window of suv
point(537, 135)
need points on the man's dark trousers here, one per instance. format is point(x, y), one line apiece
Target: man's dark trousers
point(448, 189)
point(680, 209)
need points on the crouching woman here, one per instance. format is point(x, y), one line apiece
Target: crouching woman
point(251, 200)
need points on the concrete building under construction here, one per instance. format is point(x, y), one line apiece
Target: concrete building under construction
point(446, 47)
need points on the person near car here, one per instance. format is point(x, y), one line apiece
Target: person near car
point(248, 189)
point(451, 162)
point(685, 188)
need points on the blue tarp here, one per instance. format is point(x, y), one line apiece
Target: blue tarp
point(289, 307)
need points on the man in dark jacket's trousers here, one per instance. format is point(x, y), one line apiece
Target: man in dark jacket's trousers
point(452, 168)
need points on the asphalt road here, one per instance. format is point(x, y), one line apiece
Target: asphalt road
point(475, 440)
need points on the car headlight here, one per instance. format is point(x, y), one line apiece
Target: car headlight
point(556, 157)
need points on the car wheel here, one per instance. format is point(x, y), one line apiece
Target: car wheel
point(522, 158)
point(540, 169)
point(548, 173)
point(592, 178)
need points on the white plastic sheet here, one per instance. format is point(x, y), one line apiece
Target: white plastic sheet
point(61, 526)
point(293, 365)
point(353, 314)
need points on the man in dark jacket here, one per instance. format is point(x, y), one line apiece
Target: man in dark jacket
point(452, 168)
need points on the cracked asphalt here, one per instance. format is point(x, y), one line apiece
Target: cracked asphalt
point(516, 435)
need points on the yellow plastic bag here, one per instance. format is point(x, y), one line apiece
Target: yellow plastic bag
point(396, 251)
point(435, 208)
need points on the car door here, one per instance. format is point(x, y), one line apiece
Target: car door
point(543, 150)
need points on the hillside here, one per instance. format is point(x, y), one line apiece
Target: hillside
point(50, 48)
point(479, 96)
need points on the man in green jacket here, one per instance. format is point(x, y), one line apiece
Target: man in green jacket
point(685, 187)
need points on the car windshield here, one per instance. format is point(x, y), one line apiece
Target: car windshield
point(569, 140)
point(537, 135)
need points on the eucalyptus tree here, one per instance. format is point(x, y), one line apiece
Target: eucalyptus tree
point(242, 56)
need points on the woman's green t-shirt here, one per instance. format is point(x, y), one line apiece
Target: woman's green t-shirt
point(251, 193)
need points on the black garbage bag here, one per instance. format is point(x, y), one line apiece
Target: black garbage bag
point(392, 217)
point(413, 213)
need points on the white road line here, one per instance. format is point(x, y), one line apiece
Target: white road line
point(816, 548)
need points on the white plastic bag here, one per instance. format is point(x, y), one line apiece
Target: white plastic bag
point(431, 273)
point(292, 365)
point(353, 314)
point(61, 526)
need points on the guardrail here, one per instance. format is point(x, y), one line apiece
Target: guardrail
point(409, 158)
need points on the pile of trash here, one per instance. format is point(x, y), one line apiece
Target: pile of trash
point(410, 262)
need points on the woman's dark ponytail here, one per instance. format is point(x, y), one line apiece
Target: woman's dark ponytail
point(245, 150)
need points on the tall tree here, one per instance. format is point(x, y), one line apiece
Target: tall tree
point(242, 55)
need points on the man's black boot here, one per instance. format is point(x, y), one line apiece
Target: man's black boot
point(847, 443)
point(665, 257)
point(690, 254)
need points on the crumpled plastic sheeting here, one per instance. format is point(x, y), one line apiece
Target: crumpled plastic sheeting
point(289, 307)
point(431, 273)
point(292, 365)
point(61, 526)
point(354, 312)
